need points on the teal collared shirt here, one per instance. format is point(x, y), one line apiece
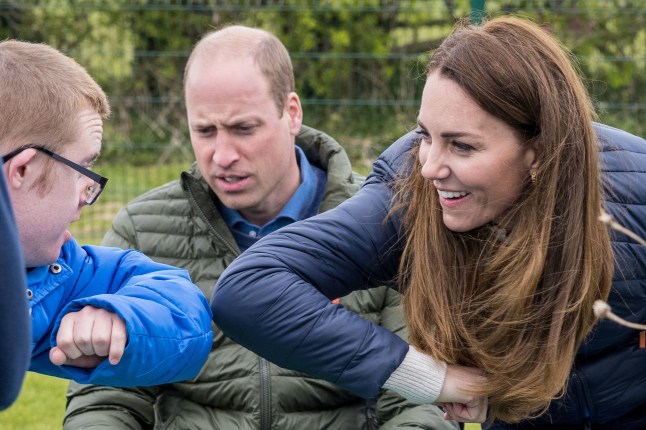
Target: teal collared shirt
point(303, 204)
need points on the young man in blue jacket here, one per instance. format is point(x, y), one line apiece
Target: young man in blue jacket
point(99, 315)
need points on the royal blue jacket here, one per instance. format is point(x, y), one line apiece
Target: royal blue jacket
point(15, 328)
point(275, 298)
point(167, 318)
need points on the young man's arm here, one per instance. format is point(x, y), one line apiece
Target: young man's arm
point(166, 316)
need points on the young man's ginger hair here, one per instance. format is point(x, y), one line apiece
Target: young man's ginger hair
point(42, 91)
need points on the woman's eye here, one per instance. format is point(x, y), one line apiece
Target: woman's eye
point(423, 134)
point(462, 147)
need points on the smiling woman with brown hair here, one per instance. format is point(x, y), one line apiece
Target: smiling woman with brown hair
point(504, 152)
point(486, 218)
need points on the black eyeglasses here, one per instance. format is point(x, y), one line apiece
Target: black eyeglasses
point(93, 190)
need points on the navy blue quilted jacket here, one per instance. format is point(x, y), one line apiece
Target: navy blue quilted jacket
point(15, 324)
point(608, 379)
point(275, 298)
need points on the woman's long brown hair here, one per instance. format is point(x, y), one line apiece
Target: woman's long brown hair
point(517, 308)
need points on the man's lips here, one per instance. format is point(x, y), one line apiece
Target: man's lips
point(232, 183)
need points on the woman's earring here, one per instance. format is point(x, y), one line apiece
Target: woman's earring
point(532, 176)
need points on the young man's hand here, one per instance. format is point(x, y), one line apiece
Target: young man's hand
point(85, 338)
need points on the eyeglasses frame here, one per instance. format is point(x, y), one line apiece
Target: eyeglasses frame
point(101, 180)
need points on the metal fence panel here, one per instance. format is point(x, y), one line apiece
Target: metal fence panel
point(358, 66)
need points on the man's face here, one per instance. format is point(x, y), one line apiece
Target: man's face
point(43, 217)
point(243, 144)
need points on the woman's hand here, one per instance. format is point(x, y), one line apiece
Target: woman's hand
point(454, 397)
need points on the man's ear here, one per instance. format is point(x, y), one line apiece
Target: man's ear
point(20, 170)
point(294, 113)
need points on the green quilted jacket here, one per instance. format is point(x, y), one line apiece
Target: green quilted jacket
point(179, 224)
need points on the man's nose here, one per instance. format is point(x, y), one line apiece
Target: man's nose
point(226, 151)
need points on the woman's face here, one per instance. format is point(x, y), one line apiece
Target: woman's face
point(476, 161)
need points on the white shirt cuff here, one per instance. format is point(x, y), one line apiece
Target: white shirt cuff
point(419, 378)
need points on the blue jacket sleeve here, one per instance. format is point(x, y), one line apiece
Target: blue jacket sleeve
point(167, 317)
point(15, 326)
point(275, 298)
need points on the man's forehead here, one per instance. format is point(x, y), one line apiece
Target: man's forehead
point(88, 140)
point(212, 63)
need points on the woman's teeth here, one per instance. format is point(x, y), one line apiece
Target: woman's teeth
point(452, 194)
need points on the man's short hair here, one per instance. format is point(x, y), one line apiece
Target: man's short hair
point(268, 52)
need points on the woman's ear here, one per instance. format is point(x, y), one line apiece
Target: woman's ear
point(531, 159)
point(20, 170)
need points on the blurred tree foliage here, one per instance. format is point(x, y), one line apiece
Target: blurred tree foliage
point(358, 63)
point(608, 39)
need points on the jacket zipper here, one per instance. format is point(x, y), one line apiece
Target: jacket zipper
point(206, 220)
point(583, 400)
point(265, 395)
point(265, 386)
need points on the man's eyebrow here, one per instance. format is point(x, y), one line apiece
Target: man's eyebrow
point(243, 119)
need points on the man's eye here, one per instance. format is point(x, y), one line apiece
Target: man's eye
point(245, 129)
point(206, 130)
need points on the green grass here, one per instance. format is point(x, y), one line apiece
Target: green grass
point(125, 183)
point(41, 405)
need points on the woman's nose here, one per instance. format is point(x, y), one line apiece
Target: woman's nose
point(434, 162)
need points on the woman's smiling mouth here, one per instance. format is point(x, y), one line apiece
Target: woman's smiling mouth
point(451, 194)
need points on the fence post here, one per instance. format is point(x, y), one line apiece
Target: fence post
point(477, 11)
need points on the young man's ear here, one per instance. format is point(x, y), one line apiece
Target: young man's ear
point(294, 112)
point(19, 170)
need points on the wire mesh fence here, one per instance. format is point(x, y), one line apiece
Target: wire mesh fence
point(358, 65)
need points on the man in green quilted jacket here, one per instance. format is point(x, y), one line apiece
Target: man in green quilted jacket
point(258, 169)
